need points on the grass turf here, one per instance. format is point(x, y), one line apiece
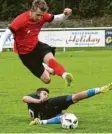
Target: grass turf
point(89, 68)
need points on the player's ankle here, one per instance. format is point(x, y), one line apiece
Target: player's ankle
point(97, 90)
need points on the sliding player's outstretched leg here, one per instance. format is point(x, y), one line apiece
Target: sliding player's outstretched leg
point(35, 122)
point(53, 120)
point(106, 88)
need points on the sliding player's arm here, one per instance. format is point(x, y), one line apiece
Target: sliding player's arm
point(29, 99)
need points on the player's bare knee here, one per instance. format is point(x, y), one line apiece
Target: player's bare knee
point(45, 77)
point(47, 81)
point(75, 98)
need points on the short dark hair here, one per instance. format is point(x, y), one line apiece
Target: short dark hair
point(38, 91)
point(41, 4)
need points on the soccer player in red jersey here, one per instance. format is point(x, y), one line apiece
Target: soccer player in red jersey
point(32, 52)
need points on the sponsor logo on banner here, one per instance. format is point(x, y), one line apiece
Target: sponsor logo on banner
point(108, 38)
point(80, 38)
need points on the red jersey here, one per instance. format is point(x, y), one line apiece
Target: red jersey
point(26, 31)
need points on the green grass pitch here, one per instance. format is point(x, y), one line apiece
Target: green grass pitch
point(89, 68)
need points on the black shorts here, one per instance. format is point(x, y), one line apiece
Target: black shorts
point(61, 102)
point(33, 60)
point(55, 106)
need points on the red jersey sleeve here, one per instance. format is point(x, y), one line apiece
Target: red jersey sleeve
point(48, 17)
point(19, 22)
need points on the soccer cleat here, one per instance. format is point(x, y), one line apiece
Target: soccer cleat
point(35, 121)
point(106, 88)
point(68, 79)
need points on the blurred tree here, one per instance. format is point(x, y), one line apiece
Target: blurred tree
point(9, 9)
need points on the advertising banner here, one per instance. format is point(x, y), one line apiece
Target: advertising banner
point(79, 38)
point(108, 38)
point(69, 38)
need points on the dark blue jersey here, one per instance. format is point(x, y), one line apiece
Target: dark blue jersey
point(50, 108)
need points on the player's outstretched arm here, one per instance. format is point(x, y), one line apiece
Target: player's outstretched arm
point(66, 13)
point(4, 37)
point(29, 99)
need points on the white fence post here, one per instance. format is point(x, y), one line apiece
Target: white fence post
point(64, 49)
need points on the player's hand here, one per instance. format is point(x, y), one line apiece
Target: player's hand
point(67, 11)
point(43, 99)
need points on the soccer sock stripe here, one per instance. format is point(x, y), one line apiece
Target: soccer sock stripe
point(93, 91)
